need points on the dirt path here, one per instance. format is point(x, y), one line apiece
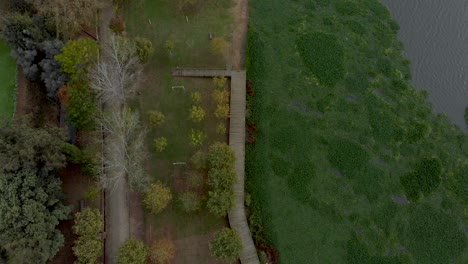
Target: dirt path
point(21, 93)
point(239, 36)
point(117, 207)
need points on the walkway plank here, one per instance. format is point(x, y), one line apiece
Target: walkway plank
point(237, 217)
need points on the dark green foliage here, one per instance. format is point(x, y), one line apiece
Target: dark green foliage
point(424, 178)
point(30, 193)
point(346, 8)
point(434, 237)
point(418, 131)
point(34, 49)
point(328, 161)
point(323, 55)
point(81, 107)
point(299, 181)
point(466, 116)
point(348, 157)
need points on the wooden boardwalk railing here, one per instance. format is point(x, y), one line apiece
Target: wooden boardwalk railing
point(237, 217)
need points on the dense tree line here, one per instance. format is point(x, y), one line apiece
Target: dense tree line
point(30, 194)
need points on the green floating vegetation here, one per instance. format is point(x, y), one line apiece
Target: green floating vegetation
point(350, 163)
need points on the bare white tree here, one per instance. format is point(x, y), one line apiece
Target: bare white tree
point(118, 74)
point(125, 150)
point(116, 79)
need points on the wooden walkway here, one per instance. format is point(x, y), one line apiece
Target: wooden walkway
point(237, 217)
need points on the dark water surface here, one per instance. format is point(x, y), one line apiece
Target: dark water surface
point(435, 37)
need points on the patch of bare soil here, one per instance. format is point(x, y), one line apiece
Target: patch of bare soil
point(239, 36)
point(74, 186)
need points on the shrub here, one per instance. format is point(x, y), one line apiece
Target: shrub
point(196, 97)
point(221, 128)
point(190, 201)
point(323, 55)
point(220, 156)
point(162, 251)
point(132, 251)
point(156, 118)
point(222, 111)
point(220, 201)
point(220, 82)
point(199, 160)
point(81, 108)
point(160, 144)
point(92, 194)
point(220, 96)
point(219, 45)
point(226, 245)
point(222, 178)
point(144, 49)
point(157, 197)
point(88, 226)
point(169, 44)
point(197, 137)
point(197, 114)
point(117, 25)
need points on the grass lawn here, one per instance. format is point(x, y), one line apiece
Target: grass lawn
point(163, 23)
point(344, 143)
point(7, 81)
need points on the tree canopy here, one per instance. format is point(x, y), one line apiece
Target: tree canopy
point(132, 252)
point(30, 193)
point(226, 245)
point(88, 226)
point(77, 57)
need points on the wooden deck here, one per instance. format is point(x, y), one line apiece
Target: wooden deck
point(237, 217)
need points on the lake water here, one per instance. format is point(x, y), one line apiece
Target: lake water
point(435, 37)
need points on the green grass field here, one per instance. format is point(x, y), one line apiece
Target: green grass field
point(7, 81)
point(162, 22)
point(338, 170)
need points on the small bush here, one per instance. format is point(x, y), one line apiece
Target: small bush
point(219, 46)
point(144, 48)
point(220, 82)
point(169, 44)
point(196, 97)
point(222, 111)
point(221, 128)
point(92, 194)
point(220, 96)
point(117, 25)
point(162, 251)
point(160, 144)
point(220, 156)
point(226, 245)
point(157, 197)
point(197, 114)
point(81, 108)
point(197, 138)
point(132, 251)
point(156, 118)
point(220, 202)
point(190, 201)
